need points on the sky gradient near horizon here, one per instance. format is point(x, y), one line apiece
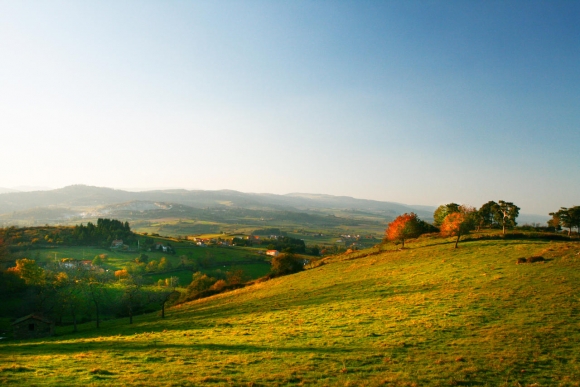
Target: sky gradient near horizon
point(418, 102)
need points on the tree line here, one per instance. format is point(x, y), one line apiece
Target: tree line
point(101, 234)
point(77, 294)
point(454, 220)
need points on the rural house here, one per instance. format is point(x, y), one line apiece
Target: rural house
point(32, 327)
point(273, 253)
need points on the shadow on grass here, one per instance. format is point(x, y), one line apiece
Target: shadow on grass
point(60, 348)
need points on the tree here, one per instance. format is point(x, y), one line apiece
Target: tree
point(69, 293)
point(132, 297)
point(164, 296)
point(458, 223)
point(96, 292)
point(142, 258)
point(554, 223)
point(287, 263)
point(235, 277)
point(200, 283)
point(4, 255)
point(484, 216)
point(442, 211)
point(10, 283)
point(29, 271)
point(404, 227)
point(505, 213)
point(567, 217)
point(164, 264)
point(152, 266)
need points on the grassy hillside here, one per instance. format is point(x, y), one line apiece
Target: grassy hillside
point(425, 316)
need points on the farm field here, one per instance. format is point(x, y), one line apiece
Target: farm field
point(428, 315)
point(212, 258)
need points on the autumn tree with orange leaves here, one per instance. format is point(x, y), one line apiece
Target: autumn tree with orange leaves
point(404, 227)
point(459, 223)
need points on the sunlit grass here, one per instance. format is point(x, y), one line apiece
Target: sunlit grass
point(427, 315)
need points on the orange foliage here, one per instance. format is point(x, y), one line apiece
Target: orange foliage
point(403, 227)
point(121, 273)
point(457, 224)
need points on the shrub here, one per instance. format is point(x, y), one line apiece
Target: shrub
point(200, 283)
point(219, 285)
point(287, 263)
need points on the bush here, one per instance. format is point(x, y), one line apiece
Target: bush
point(287, 263)
point(219, 285)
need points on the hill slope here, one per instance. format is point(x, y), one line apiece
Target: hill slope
point(427, 315)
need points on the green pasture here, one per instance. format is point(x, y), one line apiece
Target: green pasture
point(218, 254)
point(177, 227)
point(428, 315)
point(185, 277)
point(116, 259)
point(251, 270)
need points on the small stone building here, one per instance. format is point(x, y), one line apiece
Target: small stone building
point(32, 327)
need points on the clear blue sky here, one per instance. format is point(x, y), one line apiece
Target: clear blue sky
point(420, 102)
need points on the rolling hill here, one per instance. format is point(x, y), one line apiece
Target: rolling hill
point(429, 315)
point(74, 204)
point(80, 196)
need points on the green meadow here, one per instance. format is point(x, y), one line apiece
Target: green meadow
point(428, 315)
point(211, 258)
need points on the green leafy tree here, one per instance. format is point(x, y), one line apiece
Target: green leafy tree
point(10, 283)
point(29, 271)
point(70, 294)
point(164, 265)
point(4, 255)
point(165, 294)
point(567, 217)
point(97, 293)
point(505, 214)
point(152, 266)
point(142, 258)
point(200, 283)
point(485, 215)
point(287, 263)
point(133, 296)
point(442, 211)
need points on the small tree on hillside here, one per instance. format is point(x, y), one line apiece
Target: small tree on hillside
point(505, 213)
point(485, 215)
point(554, 223)
point(133, 296)
point(167, 295)
point(442, 211)
point(458, 223)
point(164, 265)
point(567, 217)
point(404, 227)
point(287, 263)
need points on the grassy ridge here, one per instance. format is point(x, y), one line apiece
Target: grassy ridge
point(427, 315)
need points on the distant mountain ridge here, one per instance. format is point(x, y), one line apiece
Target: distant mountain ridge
point(7, 190)
point(82, 198)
